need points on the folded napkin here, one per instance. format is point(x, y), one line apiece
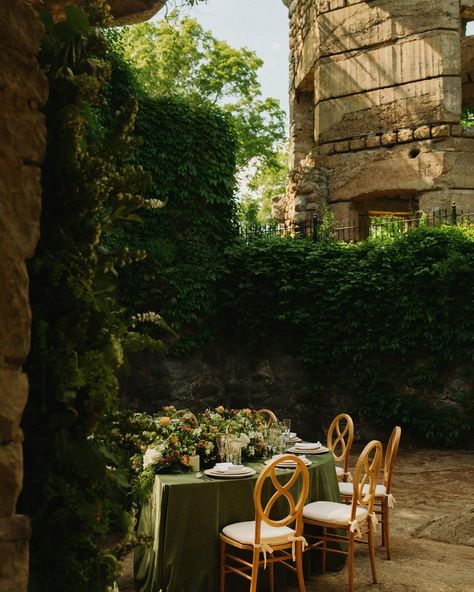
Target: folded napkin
point(307, 445)
point(229, 468)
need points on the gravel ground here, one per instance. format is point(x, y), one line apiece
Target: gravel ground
point(432, 527)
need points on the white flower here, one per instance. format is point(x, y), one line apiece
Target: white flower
point(244, 439)
point(152, 456)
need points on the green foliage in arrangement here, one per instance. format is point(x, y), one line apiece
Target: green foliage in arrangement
point(389, 321)
point(177, 57)
point(75, 491)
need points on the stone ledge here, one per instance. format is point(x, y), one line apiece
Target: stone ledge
point(401, 136)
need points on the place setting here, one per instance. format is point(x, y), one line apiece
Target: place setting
point(230, 449)
point(287, 464)
point(228, 470)
point(302, 448)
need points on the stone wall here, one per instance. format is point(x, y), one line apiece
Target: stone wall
point(227, 376)
point(386, 81)
point(22, 142)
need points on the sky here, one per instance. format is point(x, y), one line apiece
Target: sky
point(260, 25)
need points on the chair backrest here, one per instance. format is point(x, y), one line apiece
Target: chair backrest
point(188, 415)
point(340, 437)
point(299, 479)
point(267, 416)
point(365, 477)
point(391, 456)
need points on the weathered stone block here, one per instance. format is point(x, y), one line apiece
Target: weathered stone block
point(389, 139)
point(422, 133)
point(13, 395)
point(15, 533)
point(373, 141)
point(426, 57)
point(409, 105)
point(358, 144)
point(456, 130)
point(11, 476)
point(15, 317)
point(365, 24)
point(405, 135)
point(387, 172)
point(440, 131)
point(341, 146)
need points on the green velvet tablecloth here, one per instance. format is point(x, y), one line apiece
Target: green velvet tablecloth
point(184, 516)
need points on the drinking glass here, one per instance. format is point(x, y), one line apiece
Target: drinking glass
point(234, 447)
point(287, 424)
point(221, 442)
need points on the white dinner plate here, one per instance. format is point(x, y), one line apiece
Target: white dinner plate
point(246, 472)
point(288, 464)
point(318, 450)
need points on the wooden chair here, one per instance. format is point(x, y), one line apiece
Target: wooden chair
point(282, 539)
point(189, 415)
point(267, 416)
point(339, 441)
point(384, 499)
point(357, 519)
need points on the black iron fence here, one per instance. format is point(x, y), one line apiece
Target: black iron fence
point(370, 225)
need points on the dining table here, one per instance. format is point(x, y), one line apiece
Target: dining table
point(179, 525)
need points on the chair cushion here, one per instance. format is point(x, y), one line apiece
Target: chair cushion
point(333, 512)
point(347, 489)
point(244, 532)
point(339, 471)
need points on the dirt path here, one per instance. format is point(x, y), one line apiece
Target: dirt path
point(432, 531)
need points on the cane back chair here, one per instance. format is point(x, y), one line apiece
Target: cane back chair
point(269, 540)
point(352, 521)
point(339, 441)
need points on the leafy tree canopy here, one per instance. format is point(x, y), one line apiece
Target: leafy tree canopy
point(178, 57)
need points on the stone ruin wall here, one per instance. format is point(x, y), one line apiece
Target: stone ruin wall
point(376, 93)
point(22, 141)
point(23, 91)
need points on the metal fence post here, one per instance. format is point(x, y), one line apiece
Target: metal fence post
point(454, 217)
point(314, 234)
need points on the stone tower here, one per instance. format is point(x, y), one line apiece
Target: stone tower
point(377, 88)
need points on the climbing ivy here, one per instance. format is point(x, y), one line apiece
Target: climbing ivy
point(390, 322)
point(75, 490)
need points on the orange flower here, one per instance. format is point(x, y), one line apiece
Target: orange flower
point(220, 409)
point(164, 421)
point(174, 439)
point(185, 460)
point(168, 408)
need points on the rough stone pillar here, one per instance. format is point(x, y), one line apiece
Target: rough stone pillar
point(23, 90)
point(382, 84)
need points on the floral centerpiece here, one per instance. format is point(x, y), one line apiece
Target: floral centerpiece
point(165, 442)
point(241, 423)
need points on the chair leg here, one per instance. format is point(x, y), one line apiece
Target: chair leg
point(382, 520)
point(253, 582)
point(386, 511)
point(271, 577)
point(323, 552)
point(299, 567)
point(370, 536)
point(350, 565)
point(222, 567)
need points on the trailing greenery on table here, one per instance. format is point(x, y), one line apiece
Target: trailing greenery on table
point(165, 441)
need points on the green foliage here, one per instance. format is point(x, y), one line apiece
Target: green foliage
point(189, 152)
point(388, 321)
point(74, 491)
point(178, 57)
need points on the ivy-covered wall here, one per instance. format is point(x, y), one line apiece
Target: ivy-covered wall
point(390, 323)
point(189, 153)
